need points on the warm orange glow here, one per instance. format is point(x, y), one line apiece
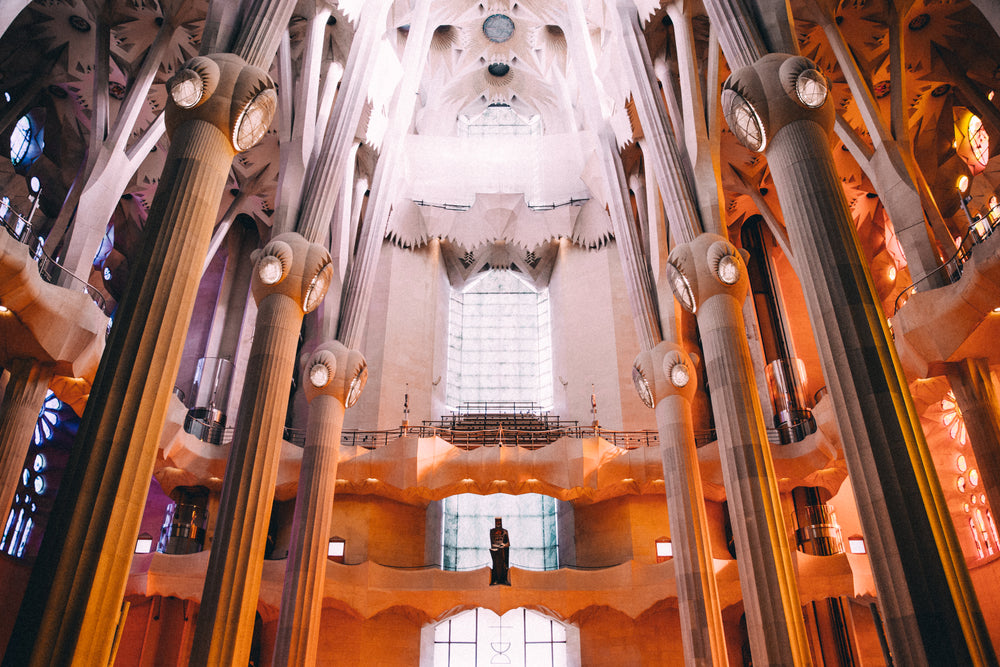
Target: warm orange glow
point(963, 183)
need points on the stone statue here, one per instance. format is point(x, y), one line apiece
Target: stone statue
point(500, 553)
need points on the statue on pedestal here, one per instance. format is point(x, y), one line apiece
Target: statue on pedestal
point(500, 553)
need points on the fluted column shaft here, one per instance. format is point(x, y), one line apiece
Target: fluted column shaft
point(335, 378)
point(697, 590)
point(709, 278)
point(671, 175)
point(325, 178)
point(22, 399)
point(74, 596)
point(767, 578)
point(287, 270)
point(929, 608)
point(972, 383)
point(739, 36)
point(229, 601)
point(665, 376)
point(260, 32)
point(302, 597)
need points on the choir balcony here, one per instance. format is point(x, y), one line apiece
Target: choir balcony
point(368, 588)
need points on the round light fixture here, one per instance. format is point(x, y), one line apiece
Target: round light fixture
point(269, 270)
point(729, 270)
point(642, 386)
point(357, 384)
point(681, 288)
point(498, 28)
point(253, 121)
point(743, 120)
point(319, 375)
point(186, 89)
point(679, 375)
point(892, 273)
point(979, 139)
point(963, 183)
point(811, 88)
point(317, 288)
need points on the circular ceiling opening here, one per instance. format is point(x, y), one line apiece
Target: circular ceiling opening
point(498, 28)
point(498, 69)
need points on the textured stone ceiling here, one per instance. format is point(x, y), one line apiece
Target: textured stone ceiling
point(47, 63)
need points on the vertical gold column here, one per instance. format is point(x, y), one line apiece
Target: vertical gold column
point(334, 379)
point(74, 597)
point(290, 278)
point(709, 278)
point(22, 399)
point(664, 377)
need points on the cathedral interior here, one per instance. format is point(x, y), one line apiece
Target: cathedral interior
point(699, 297)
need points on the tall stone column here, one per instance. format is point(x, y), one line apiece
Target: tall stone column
point(780, 105)
point(291, 277)
point(972, 383)
point(335, 379)
point(664, 378)
point(74, 597)
point(22, 399)
point(709, 279)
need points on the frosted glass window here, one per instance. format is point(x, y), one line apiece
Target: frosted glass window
point(499, 342)
point(520, 638)
point(530, 520)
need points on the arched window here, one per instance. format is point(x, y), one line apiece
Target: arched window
point(520, 638)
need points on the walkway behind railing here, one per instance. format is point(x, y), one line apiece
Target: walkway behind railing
point(979, 231)
point(50, 270)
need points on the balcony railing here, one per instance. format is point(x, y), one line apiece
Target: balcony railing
point(49, 269)
point(980, 230)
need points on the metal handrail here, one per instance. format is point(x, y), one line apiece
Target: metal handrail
point(962, 254)
point(498, 437)
point(49, 269)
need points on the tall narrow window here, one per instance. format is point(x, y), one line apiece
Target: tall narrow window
point(500, 342)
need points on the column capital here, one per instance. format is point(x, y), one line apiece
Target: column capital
point(222, 90)
point(665, 370)
point(290, 265)
point(334, 370)
point(706, 267)
point(776, 90)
